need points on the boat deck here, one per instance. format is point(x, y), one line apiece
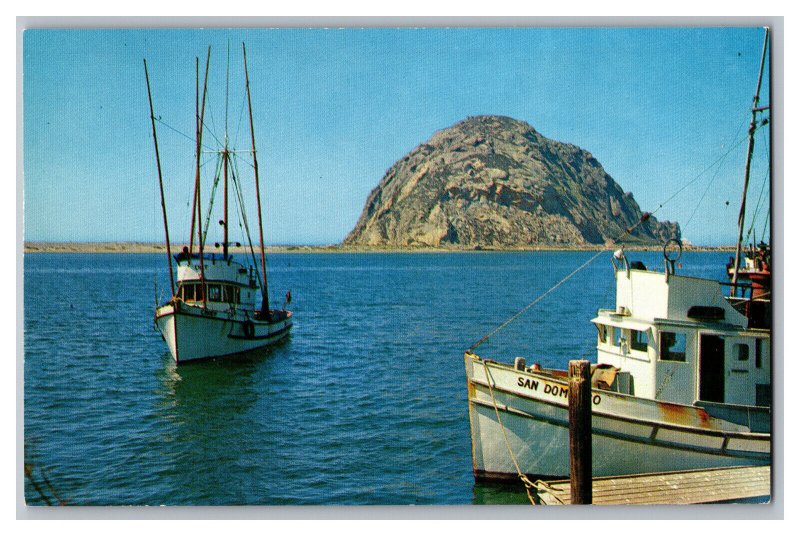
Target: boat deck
point(680, 487)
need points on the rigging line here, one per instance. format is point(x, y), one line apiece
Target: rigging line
point(758, 206)
point(217, 174)
point(236, 158)
point(170, 127)
point(705, 192)
point(761, 193)
point(175, 130)
point(211, 131)
point(697, 177)
point(766, 225)
point(209, 159)
point(644, 218)
point(243, 216)
point(534, 302)
point(241, 116)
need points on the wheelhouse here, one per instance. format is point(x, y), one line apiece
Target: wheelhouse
point(677, 339)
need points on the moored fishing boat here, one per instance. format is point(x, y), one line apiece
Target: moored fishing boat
point(682, 381)
point(682, 378)
point(220, 306)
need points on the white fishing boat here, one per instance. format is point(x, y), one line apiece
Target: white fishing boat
point(682, 380)
point(219, 306)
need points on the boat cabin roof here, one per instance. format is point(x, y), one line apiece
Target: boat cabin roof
point(645, 298)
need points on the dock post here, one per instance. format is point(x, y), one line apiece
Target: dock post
point(580, 432)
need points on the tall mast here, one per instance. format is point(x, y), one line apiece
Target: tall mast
point(225, 163)
point(196, 129)
point(264, 290)
point(224, 221)
point(197, 181)
point(750, 144)
point(160, 181)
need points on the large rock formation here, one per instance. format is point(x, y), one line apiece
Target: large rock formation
point(495, 182)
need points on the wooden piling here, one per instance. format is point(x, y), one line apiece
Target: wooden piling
point(580, 432)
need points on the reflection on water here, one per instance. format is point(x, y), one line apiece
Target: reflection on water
point(199, 404)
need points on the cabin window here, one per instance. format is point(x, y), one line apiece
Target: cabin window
point(214, 293)
point(619, 337)
point(638, 340)
point(758, 353)
point(188, 292)
point(602, 336)
point(230, 294)
point(673, 346)
point(742, 352)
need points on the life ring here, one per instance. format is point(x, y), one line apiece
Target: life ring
point(249, 329)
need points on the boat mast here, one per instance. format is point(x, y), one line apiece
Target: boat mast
point(264, 291)
point(199, 133)
point(750, 144)
point(160, 181)
point(225, 158)
point(196, 126)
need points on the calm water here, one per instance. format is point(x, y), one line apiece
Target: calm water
point(364, 404)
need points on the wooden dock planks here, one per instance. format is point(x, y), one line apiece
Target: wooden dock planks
point(680, 487)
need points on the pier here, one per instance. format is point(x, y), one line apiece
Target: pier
point(698, 486)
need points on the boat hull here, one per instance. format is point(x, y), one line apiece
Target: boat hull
point(194, 334)
point(526, 413)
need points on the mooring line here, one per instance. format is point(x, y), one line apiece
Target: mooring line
point(644, 218)
point(522, 476)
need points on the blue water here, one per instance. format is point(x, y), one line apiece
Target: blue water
point(364, 404)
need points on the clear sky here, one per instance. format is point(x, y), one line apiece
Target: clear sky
point(334, 109)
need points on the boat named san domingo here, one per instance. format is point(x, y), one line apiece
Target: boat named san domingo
point(682, 381)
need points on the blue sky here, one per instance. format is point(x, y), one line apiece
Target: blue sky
point(334, 109)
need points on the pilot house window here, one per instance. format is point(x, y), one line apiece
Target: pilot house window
point(673, 346)
point(638, 340)
point(192, 292)
point(214, 293)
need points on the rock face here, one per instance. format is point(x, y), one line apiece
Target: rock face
point(494, 182)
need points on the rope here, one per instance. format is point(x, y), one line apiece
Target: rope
point(217, 175)
point(542, 485)
point(702, 197)
point(758, 201)
point(697, 177)
point(242, 216)
point(644, 218)
point(534, 302)
point(525, 480)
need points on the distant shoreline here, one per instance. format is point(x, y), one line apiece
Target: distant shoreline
point(145, 247)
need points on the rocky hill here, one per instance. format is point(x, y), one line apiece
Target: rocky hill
point(494, 182)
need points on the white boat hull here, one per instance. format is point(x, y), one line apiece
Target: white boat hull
point(194, 334)
point(629, 435)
